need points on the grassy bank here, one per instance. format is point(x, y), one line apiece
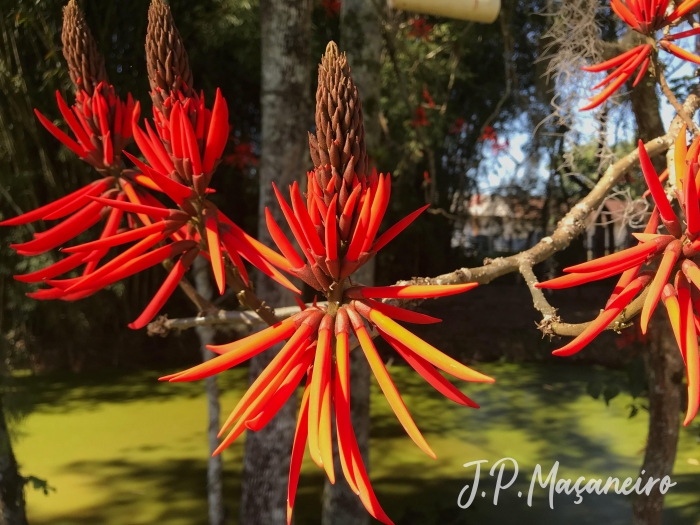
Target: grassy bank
point(123, 449)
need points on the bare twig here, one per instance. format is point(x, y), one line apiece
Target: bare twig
point(671, 97)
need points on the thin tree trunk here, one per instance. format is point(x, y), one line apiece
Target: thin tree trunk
point(11, 483)
point(215, 465)
point(361, 39)
point(664, 366)
point(665, 370)
point(286, 32)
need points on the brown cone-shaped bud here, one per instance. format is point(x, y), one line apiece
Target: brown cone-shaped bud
point(85, 64)
point(340, 132)
point(166, 58)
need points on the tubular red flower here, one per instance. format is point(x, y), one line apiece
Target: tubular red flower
point(408, 291)
point(166, 290)
point(47, 209)
point(429, 373)
point(425, 350)
point(668, 261)
point(692, 356)
point(601, 322)
point(66, 230)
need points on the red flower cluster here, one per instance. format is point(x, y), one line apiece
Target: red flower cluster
point(420, 29)
point(336, 226)
point(458, 127)
point(677, 248)
point(420, 118)
point(242, 156)
point(426, 96)
point(645, 17)
point(181, 154)
point(332, 7)
point(101, 123)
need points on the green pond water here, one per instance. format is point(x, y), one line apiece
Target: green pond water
point(126, 449)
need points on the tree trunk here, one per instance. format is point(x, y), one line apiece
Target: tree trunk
point(286, 32)
point(215, 465)
point(665, 370)
point(664, 366)
point(11, 483)
point(361, 39)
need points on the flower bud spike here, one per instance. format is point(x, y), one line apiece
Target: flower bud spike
point(668, 261)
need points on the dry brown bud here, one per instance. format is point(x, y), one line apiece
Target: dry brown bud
point(340, 133)
point(85, 64)
point(166, 58)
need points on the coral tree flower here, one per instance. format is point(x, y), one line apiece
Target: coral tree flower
point(335, 226)
point(181, 157)
point(645, 17)
point(676, 251)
